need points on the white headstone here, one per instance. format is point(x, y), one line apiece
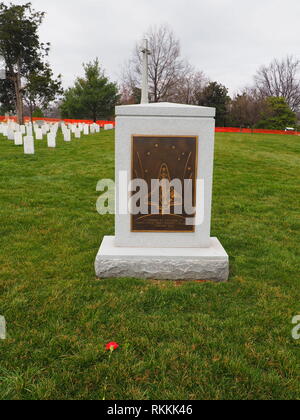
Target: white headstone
point(67, 135)
point(86, 130)
point(45, 129)
point(29, 145)
point(39, 134)
point(10, 134)
point(2, 328)
point(108, 126)
point(18, 139)
point(51, 140)
point(77, 133)
point(5, 131)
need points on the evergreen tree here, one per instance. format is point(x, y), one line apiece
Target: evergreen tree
point(216, 95)
point(92, 97)
point(277, 115)
point(23, 53)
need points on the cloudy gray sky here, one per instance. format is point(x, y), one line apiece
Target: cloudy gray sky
point(227, 39)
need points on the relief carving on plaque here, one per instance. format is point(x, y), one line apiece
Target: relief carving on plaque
point(172, 163)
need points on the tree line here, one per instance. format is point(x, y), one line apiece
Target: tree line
point(29, 85)
point(272, 101)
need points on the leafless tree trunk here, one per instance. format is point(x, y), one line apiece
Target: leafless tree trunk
point(15, 77)
point(19, 95)
point(281, 79)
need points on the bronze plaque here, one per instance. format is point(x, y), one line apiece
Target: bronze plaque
point(165, 158)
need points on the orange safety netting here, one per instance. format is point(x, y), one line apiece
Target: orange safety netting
point(103, 122)
point(254, 131)
point(100, 122)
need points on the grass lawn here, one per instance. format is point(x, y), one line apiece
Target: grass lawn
point(177, 341)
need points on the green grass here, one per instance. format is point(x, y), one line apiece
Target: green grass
point(177, 341)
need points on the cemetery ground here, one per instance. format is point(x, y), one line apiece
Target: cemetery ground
point(177, 340)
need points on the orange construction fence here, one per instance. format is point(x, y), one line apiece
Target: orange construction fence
point(68, 121)
point(254, 131)
point(218, 129)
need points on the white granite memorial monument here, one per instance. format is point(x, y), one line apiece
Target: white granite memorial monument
point(164, 143)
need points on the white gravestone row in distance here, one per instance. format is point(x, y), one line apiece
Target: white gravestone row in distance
point(25, 134)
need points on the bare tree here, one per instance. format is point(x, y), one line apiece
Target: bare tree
point(129, 93)
point(166, 66)
point(190, 86)
point(246, 108)
point(280, 79)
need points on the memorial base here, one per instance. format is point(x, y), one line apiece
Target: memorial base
point(162, 263)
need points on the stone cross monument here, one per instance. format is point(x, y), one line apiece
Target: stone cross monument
point(145, 83)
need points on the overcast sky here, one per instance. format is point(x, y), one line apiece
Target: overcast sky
point(227, 39)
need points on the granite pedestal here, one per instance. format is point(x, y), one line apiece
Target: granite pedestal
point(164, 255)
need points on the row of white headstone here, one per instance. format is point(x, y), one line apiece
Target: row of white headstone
point(26, 134)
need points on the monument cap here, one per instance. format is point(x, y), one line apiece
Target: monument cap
point(165, 109)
